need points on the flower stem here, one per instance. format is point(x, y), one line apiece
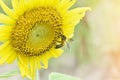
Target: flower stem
point(37, 75)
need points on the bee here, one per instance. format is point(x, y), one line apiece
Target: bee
point(62, 42)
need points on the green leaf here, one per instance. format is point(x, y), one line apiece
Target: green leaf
point(9, 74)
point(59, 76)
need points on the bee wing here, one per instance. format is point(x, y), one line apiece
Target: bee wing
point(71, 40)
point(68, 46)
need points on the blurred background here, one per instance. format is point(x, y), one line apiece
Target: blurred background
point(94, 53)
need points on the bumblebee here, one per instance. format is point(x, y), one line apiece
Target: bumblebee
point(61, 42)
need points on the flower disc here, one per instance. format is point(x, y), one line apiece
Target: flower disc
point(37, 31)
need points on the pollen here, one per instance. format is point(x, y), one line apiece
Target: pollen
point(36, 31)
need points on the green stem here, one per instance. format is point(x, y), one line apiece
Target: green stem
point(37, 75)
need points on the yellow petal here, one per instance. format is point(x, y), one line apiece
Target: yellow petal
point(55, 2)
point(4, 37)
point(57, 52)
point(15, 4)
point(6, 20)
point(32, 4)
point(66, 4)
point(33, 68)
point(71, 19)
point(51, 2)
point(12, 58)
point(21, 7)
point(38, 62)
point(75, 15)
point(52, 53)
point(68, 30)
point(7, 53)
point(44, 62)
point(7, 10)
point(47, 3)
point(5, 32)
point(42, 2)
point(22, 69)
point(23, 60)
point(5, 28)
point(24, 66)
point(3, 47)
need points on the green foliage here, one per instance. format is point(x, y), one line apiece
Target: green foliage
point(89, 3)
point(59, 76)
point(9, 74)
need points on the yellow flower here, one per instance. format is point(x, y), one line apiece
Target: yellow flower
point(33, 31)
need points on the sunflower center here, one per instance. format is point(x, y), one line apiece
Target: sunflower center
point(37, 31)
point(40, 36)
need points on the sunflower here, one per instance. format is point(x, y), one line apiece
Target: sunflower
point(33, 31)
